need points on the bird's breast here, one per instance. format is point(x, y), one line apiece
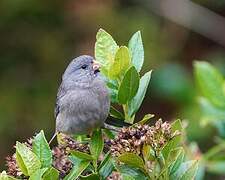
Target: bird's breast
point(84, 109)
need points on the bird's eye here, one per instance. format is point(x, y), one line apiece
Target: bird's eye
point(84, 66)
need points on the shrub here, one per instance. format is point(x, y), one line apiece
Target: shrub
point(138, 151)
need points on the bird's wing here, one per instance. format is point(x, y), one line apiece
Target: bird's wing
point(60, 94)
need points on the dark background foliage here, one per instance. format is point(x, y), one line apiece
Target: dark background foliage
point(39, 38)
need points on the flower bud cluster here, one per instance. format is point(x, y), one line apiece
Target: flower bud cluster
point(132, 139)
point(61, 153)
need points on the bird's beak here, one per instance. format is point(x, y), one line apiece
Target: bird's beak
point(96, 66)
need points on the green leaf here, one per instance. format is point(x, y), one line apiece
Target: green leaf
point(41, 148)
point(113, 89)
point(215, 153)
point(81, 155)
point(97, 143)
point(129, 86)
point(121, 63)
point(137, 51)
point(90, 177)
point(132, 172)
point(106, 167)
point(200, 172)
point(210, 82)
point(132, 159)
point(176, 126)
point(37, 175)
point(136, 102)
point(105, 48)
point(216, 167)
point(27, 161)
point(4, 176)
point(145, 119)
point(113, 95)
point(127, 177)
point(186, 171)
point(106, 159)
point(148, 153)
point(51, 174)
point(210, 112)
point(115, 113)
point(109, 133)
point(112, 84)
point(213, 115)
point(175, 158)
point(77, 169)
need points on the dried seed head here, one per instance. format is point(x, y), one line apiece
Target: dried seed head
point(13, 169)
point(61, 152)
point(134, 137)
point(61, 161)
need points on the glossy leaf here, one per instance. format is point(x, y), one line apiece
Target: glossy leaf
point(112, 84)
point(211, 112)
point(109, 133)
point(215, 153)
point(175, 158)
point(113, 95)
point(132, 172)
point(75, 159)
point(210, 82)
point(200, 174)
point(27, 161)
point(176, 126)
point(105, 48)
point(38, 174)
point(115, 113)
point(131, 159)
point(77, 169)
point(121, 63)
point(129, 86)
point(51, 174)
point(127, 177)
point(148, 153)
point(97, 143)
point(41, 148)
point(137, 51)
point(213, 115)
point(216, 167)
point(81, 155)
point(106, 167)
point(136, 102)
point(145, 119)
point(113, 89)
point(187, 170)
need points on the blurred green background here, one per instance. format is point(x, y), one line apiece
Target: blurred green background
point(38, 38)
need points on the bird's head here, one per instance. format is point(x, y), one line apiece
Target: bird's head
point(82, 70)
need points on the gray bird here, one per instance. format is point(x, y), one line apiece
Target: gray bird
point(82, 102)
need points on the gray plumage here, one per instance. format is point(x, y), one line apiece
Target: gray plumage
point(82, 102)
